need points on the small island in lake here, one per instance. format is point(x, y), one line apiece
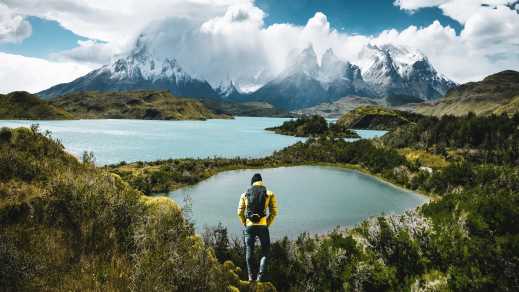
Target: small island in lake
point(313, 126)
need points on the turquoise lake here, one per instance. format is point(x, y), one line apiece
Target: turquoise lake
point(113, 141)
point(312, 199)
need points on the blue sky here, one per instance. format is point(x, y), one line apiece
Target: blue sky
point(350, 16)
point(47, 37)
point(58, 41)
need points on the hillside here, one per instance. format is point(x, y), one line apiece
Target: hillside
point(22, 105)
point(243, 109)
point(464, 239)
point(148, 105)
point(497, 93)
point(337, 108)
point(66, 225)
point(376, 118)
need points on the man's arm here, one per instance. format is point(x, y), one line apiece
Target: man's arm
point(241, 210)
point(273, 208)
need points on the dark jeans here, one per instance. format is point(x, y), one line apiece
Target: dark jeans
point(262, 232)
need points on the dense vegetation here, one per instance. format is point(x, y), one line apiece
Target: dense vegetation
point(149, 105)
point(66, 225)
point(465, 239)
point(312, 126)
point(166, 175)
point(376, 118)
point(492, 139)
point(22, 105)
point(496, 94)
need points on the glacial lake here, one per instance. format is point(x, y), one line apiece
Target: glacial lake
point(312, 199)
point(114, 141)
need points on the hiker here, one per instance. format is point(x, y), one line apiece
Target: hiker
point(252, 212)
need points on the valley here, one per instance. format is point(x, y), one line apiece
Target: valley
point(259, 146)
point(457, 169)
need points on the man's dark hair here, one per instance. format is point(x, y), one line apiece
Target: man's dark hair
point(256, 177)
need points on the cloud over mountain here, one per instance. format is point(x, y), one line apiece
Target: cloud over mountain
point(227, 40)
point(13, 27)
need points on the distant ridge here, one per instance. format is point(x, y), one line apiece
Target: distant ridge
point(401, 74)
point(21, 105)
point(142, 105)
point(389, 74)
point(140, 70)
point(496, 94)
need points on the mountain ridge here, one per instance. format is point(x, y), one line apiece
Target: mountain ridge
point(495, 94)
point(23, 105)
point(140, 70)
point(386, 71)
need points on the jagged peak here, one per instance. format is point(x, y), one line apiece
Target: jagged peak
point(304, 62)
point(227, 89)
point(141, 64)
point(329, 57)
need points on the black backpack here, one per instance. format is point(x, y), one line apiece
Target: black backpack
point(256, 203)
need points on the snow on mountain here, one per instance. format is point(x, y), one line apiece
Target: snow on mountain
point(394, 71)
point(304, 62)
point(229, 91)
point(139, 70)
point(382, 72)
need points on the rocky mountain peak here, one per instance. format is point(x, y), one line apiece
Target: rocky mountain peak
point(228, 90)
point(305, 62)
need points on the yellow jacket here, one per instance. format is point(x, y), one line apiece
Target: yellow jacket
point(270, 202)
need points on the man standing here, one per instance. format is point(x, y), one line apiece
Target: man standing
point(252, 212)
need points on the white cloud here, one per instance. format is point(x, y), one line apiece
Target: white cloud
point(237, 45)
point(34, 74)
point(487, 43)
point(117, 21)
point(90, 52)
point(227, 39)
point(13, 27)
point(240, 17)
point(460, 10)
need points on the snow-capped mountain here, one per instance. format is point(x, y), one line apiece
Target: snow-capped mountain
point(140, 70)
point(401, 71)
point(229, 91)
point(388, 73)
point(297, 86)
point(304, 62)
point(382, 72)
point(304, 83)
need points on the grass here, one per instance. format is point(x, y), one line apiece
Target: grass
point(67, 225)
point(25, 106)
point(426, 158)
point(152, 105)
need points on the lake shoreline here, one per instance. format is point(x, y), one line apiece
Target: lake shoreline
point(350, 195)
point(351, 167)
